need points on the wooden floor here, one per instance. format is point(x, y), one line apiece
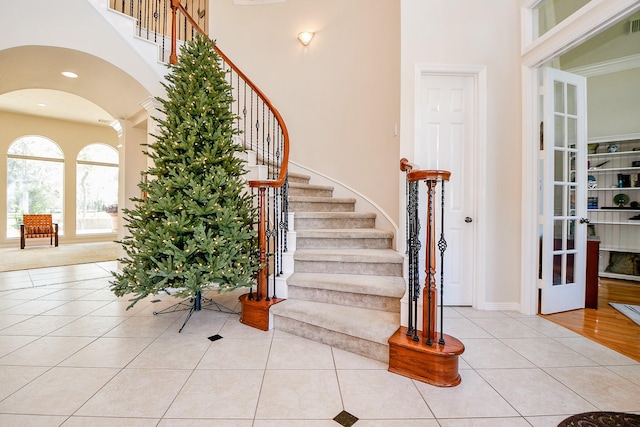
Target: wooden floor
point(607, 325)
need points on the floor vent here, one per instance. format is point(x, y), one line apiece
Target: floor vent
point(634, 26)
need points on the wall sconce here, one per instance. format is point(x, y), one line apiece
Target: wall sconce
point(305, 37)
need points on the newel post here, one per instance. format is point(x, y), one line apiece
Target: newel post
point(430, 360)
point(173, 57)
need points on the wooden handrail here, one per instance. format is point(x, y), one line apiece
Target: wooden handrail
point(405, 165)
point(429, 175)
point(423, 174)
point(176, 5)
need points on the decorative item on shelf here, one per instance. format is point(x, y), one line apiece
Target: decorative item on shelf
point(635, 164)
point(592, 183)
point(635, 205)
point(599, 165)
point(592, 148)
point(591, 230)
point(620, 200)
point(624, 263)
point(592, 202)
point(612, 148)
point(624, 180)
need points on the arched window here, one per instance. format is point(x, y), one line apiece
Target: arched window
point(35, 181)
point(97, 189)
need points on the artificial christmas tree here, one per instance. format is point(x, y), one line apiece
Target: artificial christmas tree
point(194, 229)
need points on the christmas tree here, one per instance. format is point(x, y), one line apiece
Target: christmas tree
point(194, 229)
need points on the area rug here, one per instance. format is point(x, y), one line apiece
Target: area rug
point(602, 419)
point(50, 256)
point(631, 311)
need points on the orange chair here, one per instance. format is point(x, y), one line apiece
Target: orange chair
point(38, 225)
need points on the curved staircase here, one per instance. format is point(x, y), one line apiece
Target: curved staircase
point(347, 282)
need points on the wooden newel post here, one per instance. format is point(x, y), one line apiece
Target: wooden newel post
point(173, 57)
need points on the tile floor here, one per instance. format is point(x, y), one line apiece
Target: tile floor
point(71, 355)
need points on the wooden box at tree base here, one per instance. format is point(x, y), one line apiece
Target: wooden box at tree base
point(436, 364)
point(256, 313)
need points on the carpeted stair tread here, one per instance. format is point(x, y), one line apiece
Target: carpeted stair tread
point(349, 255)
point(363, 323)
point(386, 286)
point(354, 233)
point(305, 185)
point(293, 186)
point(335, 220)
point(332, 215)
point(313, 199)
point(298, 177)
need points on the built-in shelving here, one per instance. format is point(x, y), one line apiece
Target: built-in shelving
point(614, 187)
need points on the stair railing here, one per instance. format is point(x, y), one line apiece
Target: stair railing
point(155, 20)
point(425, 356)
point(431, 179)
point(259, 123)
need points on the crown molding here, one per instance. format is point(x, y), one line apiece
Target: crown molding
point(606, 67)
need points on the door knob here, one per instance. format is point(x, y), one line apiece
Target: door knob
point(584, 221)
point(468, 219)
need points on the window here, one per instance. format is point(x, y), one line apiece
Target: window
point(97, 190)
point(549, 13)
point(35, 171)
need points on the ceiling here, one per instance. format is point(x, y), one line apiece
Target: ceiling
point(31, 83)
point(54, 104)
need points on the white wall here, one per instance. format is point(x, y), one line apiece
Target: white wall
point(614, 104)
point(485, 34)
point(340, 95)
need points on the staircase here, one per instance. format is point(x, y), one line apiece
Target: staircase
point(347, 282)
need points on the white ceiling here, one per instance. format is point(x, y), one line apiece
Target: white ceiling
point(54, 104)
point(102, 93)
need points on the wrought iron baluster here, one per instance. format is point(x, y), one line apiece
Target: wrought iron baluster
point(414, 249)
point(284, 215)
point(408, 251)
point(442, 247)
point(165, 25)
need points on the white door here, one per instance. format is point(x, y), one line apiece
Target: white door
point(444, 140)
point(562, 210)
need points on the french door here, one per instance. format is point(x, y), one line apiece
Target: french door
point(562, 202)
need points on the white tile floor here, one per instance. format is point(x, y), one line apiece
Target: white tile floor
point(71, 355)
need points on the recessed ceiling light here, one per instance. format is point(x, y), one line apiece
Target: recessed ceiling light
point(69, 74)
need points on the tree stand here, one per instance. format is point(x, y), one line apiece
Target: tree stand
point(195, 303)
